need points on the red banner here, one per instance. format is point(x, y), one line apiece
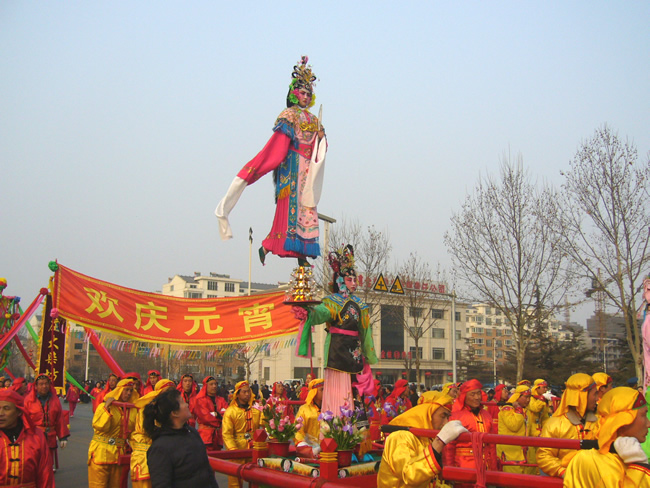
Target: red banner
point(51, 358)
point(151, 317)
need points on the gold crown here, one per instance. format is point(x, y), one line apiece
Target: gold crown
point(303, 75)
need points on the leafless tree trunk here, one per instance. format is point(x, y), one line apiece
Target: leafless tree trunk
point(418, 303)
point(607, 221)
point(504, 245)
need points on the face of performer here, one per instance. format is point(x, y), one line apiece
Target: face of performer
point(319, 396)
point(309, 378)
point(638, 428)
point(112, 382)
point(7, 383)
point(126, 394)
point(473, 398)
point(244, 395)
point(22, 389)
point(211, 388)
point(523, 401)
point(153, 379)
point(592, 399)
point(440, 418)
point(304, 97)
point(9, 415)
point(279, 389)
point(187, 384)
point(42, 387)
point(604, 389)
point(453, 392)
point(351, 283)
point(542, 389)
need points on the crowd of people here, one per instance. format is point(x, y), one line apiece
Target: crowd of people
point(169, 428)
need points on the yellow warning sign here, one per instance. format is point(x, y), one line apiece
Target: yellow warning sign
point(380, 284)
point(397, 287)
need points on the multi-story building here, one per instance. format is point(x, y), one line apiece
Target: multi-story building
point(213, 285)
point(606, 337)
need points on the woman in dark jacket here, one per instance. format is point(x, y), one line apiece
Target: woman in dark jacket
point(177, 457)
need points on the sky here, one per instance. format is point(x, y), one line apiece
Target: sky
point(123, 123)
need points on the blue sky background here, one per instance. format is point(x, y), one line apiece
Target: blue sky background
point(123, 123)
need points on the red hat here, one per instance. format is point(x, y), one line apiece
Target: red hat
point(465, 388)
point(11, 396)
point(398, 389)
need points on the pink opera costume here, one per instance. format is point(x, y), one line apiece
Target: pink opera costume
point(296, 155)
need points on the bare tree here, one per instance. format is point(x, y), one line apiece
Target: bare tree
point(419, 309)
point(504, 244)
point(607, 222)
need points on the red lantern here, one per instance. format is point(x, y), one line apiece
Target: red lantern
point(428, 373)
point(378, 373)
point(403, 373)
point(450, 374)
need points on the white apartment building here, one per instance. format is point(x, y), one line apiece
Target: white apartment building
point(212, 285)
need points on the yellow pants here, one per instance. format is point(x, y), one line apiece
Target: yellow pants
point(103, 475)
point(141, 484)
point(234, 482)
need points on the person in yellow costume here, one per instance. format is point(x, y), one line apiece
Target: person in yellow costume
point(604, 383)
point(240, 421)
point(537, 414)
point(307, 438)
point(575, 418)
point(410, 461)
point(619, 460)
point(108, 441)
point(512, 421)
point(451, 389)
point(139, 441)
point(429, 397)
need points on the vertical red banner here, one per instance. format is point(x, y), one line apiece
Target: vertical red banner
point(51, 358)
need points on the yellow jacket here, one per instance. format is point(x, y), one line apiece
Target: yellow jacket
point(108, 441)
point(310, 424)
point(236, 429)
point(140, 443)
point(537, 413)
point(408, 462)
point(554, 461)
point(512, 421)
point(595, 470)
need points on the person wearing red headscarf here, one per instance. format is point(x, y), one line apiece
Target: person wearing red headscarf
point(43, 406)
point(153, 375)
point(209, 409)
point(137, 379)
point(467, 408)
point(374, 403)
point(189, 391)
point(494, 410)
point(73, 398)
point(111, 383)
point(279, 399)
point(24, 454)
point(20, 386)
point(396, 403)
point(304, 391)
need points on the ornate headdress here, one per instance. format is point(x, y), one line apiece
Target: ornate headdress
point(342, 261)
point(302, 77)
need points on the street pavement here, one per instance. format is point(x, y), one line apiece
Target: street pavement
point(73, 460)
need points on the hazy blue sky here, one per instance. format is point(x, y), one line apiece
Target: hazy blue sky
point(123, 123)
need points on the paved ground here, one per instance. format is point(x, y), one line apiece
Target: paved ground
point(73, 467)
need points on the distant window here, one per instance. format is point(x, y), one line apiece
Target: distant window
point(499, 343)
point(457, 316)
point(478, 341)
point(79, 345)
point(213, 285)
point(213, 296)
point(416, 331)
point(459, 335)
point(438, 353)
point(488, 321)
point(412, 351)
point(488, 342)
point(267, 373)
point(488, 332)
point(437, 313)
point(489, 353)
point(458, 354)
point(508, 343)
point(171, 287)
point(438, 333)
point(479, 352)
point(415, 312)
point(488, 310)
point(230, 287)
point(194, 295)
point(192, 286)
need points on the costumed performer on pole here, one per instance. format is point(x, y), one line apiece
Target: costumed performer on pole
point(349, 348)
point(296, 155)
point(410, 461)
point(140, 441)
point(24, 454)
point(619, 459)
